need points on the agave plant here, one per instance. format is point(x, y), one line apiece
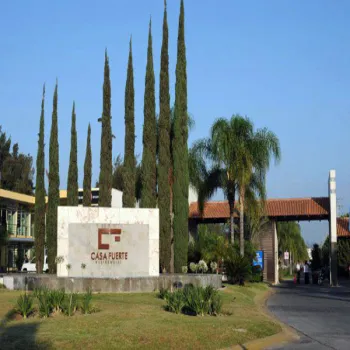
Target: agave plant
point(86, 306)
point(57, 298)
point(70, 304)
point(45, 303)
point(175, 302)
point(25, 305)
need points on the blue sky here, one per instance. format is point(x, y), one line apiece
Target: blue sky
point(285, 64)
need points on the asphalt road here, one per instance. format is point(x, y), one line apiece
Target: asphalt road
point(320, 314)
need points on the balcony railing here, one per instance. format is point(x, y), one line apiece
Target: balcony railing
point(19, 231)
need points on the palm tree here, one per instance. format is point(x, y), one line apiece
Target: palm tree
point(252, 158)
point(238, 159)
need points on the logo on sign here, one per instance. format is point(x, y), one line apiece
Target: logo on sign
point(108, 231)
point(104, 255)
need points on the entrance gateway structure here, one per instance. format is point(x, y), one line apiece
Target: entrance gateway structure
point(291, 209)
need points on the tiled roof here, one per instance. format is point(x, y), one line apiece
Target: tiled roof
point(279, 208)
point(343, 227)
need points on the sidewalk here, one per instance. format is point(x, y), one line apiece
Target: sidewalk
point(344, 282)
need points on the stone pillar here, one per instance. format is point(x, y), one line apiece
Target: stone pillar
point(268, 244)
point(333, 229)
point(275, 243)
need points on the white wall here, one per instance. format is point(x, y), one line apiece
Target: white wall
point(192, 195)
point(111, 242)
point(117, 198)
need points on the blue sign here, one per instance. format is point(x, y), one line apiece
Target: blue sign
point(259, 259)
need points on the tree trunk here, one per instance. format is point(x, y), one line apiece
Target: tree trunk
point(171, 228)
point(290, 264)
point(231, 203)
point(241, 222)
point(232, 228)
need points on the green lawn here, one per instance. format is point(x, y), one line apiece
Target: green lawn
point(131, 321)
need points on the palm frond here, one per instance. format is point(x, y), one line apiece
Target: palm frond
point(211, 183)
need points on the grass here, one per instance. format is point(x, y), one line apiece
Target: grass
point(135, 321)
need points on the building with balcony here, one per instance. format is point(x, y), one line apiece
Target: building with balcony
point(17, 225)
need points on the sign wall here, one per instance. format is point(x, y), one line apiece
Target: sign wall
point(108, 242)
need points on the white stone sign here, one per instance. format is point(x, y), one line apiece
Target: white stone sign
point(107, 242)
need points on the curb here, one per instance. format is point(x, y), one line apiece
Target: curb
point(286, 336)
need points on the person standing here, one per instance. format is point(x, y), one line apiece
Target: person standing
point(306, 273)
point(298, 268)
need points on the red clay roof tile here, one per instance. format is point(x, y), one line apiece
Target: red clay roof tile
point(306, 207)
point(343, 227)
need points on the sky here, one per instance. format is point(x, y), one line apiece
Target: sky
point(284, 64)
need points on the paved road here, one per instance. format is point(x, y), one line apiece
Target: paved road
point(321, 315)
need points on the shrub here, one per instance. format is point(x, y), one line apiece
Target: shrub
point(70, 304)
point(193, 267)
point(25, 305)
point(195, 301)
point(202, 266)
point(184, 269)
point(57, 298)
point(163, 293)
point(283, 273)
point(257, 275)
point(214, 300)
point(238, 268)
point(2, 286)
point(175, 301)
point(45, 303)
point(213, 266)
point(86, 306)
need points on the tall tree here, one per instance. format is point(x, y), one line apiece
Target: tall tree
point(17, 173)
point(290, 240)
point(54, 189)
point(164, 156)
point(239, 158)
point(87, 171)
point(129, 170)
point(72, 185)
point(106, 169)
point(149, 155)
point(40, 205)
point(180, 152)
point(253, 152)
point(118, 170)
point(5, 145)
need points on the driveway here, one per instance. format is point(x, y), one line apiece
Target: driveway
point(320, 314)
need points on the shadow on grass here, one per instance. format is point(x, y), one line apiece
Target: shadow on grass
point(21, 336)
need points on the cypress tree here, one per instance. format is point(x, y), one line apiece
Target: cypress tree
point(149, 155)
point(164, 154)
point(54, 189)
point(129, 169)
point(87, 172)
point(106, 168)
point(40, 205)
point(72, 185)
point(180, 152)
